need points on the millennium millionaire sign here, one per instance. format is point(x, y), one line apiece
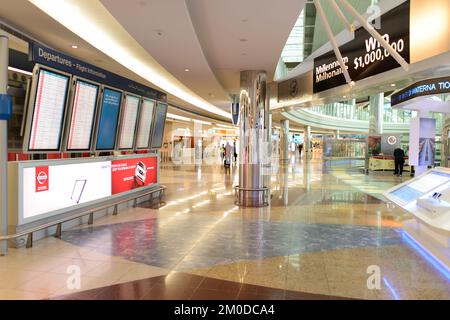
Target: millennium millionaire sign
point(364, 56)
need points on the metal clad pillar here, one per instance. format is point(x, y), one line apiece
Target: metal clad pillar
point(308, 142)
point(4, 62)
point(376, 113)
point(253, 136)
point(284, 140)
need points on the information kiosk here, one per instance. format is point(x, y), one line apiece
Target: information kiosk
point(427, 198)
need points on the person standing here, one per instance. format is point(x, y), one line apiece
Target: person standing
point(300, 148)
point(235, 151)
point(399, 158)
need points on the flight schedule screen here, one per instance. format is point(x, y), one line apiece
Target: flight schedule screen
point(109, 117)
point(129, 119)
point(145, 124)
point(48, 111)
point(160, 120)
point(83, 113)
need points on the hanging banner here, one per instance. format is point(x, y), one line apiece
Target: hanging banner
point(235, 113)
point(364, 56)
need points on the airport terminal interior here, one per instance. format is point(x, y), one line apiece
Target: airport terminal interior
point(224, 150)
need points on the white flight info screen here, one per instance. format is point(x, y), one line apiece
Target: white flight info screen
point(48, 111)
point(145, 124)
point(419, 187)
point(83, 112)
point(129, 120)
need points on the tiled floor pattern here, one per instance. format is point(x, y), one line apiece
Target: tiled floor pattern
point(319, 236)
point(183, 286)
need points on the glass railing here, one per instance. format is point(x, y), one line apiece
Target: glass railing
point(352, 112)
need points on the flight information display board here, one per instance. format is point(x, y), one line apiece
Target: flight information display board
point(48, 111)
point(108, 120)
point(145, 124)
point(158, 128)
point(82, 118)
point(129, 119)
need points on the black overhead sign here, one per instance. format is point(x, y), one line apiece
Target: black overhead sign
point(364, 56)
point(422, 88)
point(51, 58)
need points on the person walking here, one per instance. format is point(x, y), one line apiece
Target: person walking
point(300, 148)
point(399, 158)
point(235, 152)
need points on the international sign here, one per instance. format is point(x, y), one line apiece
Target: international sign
point(422, 88)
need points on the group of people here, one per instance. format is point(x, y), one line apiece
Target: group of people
point(227, 152)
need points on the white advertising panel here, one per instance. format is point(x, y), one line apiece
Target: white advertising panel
point(129, 118)
point(51, 188)
point(82, 119)
point(48, 111)
point(145, 124)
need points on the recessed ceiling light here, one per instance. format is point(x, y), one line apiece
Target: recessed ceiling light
point(244, 20)
point(74, 46)
point(244, 54)
point(243, 40)
point(344, 97)
point(392, 84)
point(187, 69)
point(211, 95)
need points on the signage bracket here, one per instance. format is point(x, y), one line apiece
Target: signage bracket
point(333, 42)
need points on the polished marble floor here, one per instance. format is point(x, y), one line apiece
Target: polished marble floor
point(322, 232)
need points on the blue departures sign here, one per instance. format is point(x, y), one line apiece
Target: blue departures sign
point(51, 58)
point(109, 115)
point(422, 88)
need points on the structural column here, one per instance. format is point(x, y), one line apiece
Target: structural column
point(4, 61)
point(308, 142)
point(253, 155)
point(284, 140)
point(376, 113)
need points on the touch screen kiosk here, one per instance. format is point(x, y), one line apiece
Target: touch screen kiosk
point(427, 198)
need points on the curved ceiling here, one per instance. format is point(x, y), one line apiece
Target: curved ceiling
point(214, 39)
point(241, 35)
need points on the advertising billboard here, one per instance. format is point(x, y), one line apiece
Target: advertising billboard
point(51, 188)
point(109, 117)
point(364, 56)
point(130, 174)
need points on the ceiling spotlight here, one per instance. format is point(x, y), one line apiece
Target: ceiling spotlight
point(74, 46)
point(187, 69)
point(392, 84)
point(344, 97)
